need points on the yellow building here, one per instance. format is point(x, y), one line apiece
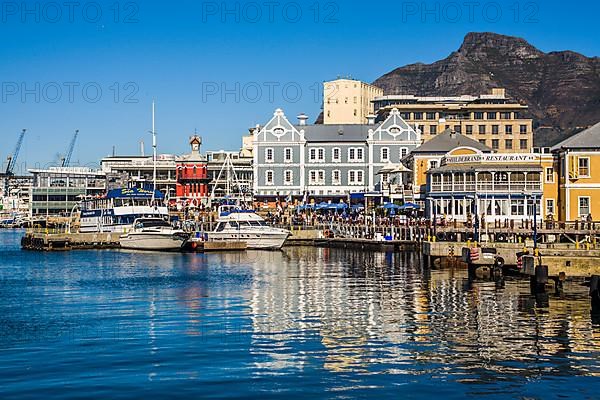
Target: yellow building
point(348, 101)
point(492, 119)
point(577, 160)
point(430, 155)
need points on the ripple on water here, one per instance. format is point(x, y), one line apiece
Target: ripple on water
point(304, 322)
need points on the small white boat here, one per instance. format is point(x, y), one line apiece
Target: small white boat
point(153, 234)
point(236, 225)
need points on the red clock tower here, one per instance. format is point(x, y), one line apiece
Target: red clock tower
point(192, 175)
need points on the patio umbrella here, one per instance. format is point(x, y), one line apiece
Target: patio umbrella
point(407, 206)
point(391, 206)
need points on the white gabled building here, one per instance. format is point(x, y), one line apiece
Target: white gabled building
point(327, 161)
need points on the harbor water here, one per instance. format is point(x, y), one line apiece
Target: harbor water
point(303, 323)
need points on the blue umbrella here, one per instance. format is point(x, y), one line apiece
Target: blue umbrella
point(391, 206)
point(358, 206)
point(409, 205)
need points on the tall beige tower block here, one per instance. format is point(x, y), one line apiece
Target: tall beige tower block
point(348, 101)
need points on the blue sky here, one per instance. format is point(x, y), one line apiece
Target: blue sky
point(56, 58)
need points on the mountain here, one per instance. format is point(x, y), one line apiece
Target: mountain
point(561, 88)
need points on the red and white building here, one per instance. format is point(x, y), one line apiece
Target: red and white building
point(192, 175)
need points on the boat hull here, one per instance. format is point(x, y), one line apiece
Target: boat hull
point(152, 241)
point(257, 241)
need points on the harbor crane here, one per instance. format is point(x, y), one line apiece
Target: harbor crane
point(67, 158)
point(11, 162)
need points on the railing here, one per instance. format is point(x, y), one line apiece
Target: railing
point(513, 187)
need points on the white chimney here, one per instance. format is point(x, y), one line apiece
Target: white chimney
point(142, 148)
point(302, 119)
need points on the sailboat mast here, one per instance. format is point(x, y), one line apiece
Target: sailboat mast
point(153, 155)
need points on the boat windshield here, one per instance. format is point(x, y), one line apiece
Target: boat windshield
point(152, 223)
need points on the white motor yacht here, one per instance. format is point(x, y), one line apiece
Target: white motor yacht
point(153, 234)
point(237, 225)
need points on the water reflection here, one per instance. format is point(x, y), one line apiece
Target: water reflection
point(383, 312)
point(304, 321)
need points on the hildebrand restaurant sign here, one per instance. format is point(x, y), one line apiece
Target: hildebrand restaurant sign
point(492, 158)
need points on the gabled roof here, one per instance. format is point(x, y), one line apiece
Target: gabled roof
point(336, 133)
point(449, 140)
point(587, 139)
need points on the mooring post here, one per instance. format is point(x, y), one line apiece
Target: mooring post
point(539, 279)
point(595, 294)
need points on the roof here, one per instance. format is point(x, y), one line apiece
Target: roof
point(449, 140)
point(336, 132)
point(587, 139)
point(486, 167)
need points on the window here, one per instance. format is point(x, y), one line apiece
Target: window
point(478, 115)
point(433, 129)
point(288, 154)
point(523, 144)
point(495, 129)
point(491, 115)
point(508, 129)
point(418, 115)
point(355, 154)
point(584, 206)
point(336, 154)
point(336, 177)
point(505, 115)
point(549, 206)
point(288, 178)
point(405, 115)
point(433, 164)
point(355, 177)
point(269, 157)
point(321, 177)
point(508, 144)
point(355, 112)
point(403, 152)
point(549, 175)
point(495, 144)
point(583, 167)
point(469, 129)
point(522, 129)
point(422, 128)
point(457, 128)
point(430, 115)
point(482, 129)
point(385, 154)
point(269, 178)
point(317, 154)
point(482, 141)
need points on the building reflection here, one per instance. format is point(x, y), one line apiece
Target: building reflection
point(366, 309)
